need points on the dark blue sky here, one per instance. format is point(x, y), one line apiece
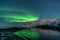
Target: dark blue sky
point(46, 8)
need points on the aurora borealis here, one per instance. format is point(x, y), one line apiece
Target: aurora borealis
point(14, 11)
point(16, 18)
point(26, 17)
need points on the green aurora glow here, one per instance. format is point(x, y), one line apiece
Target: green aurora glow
point(28, 17)
point(16, 18)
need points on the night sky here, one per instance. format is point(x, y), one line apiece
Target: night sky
point(45, 9)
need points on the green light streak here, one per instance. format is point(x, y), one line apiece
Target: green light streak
point(26, 17)
point(20, 10)
point(16, 18)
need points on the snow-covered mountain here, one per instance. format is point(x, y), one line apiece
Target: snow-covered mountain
point(52, 22)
